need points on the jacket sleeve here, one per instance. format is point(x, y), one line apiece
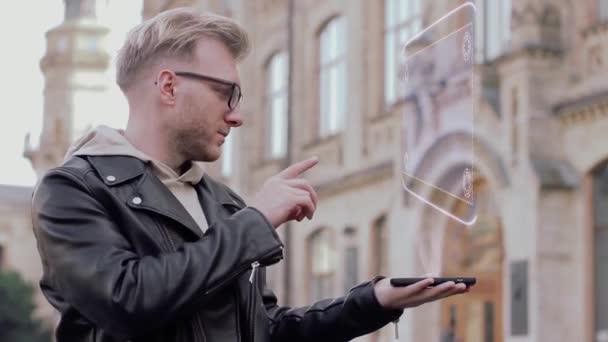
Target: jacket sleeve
point(91, 265)
point(340, 319)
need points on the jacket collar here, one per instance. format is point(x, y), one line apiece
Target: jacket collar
point(148, 193)
point(115, 170)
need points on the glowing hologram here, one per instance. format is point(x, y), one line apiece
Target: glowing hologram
point(441, 210)
point(438, 65)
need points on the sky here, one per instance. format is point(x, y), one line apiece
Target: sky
point(22, 37)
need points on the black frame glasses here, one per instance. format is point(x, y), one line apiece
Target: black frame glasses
point(235, 90)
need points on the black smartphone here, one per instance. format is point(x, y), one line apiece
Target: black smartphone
point(468, 281)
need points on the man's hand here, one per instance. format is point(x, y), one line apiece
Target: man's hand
point(414, 295)
point(285, 197)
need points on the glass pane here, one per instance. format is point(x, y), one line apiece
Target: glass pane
point(494, 40)
point(404, 34)
point(278, 72)
point(333, 99)
point(322, 264)
point(603, 9)
point(416, 25)
point(324, 101)
point(342, 91)
point(601, 281)
point(480, 32)
point(416, 8)
point(380, 247)
point(600, 198)
point(404, 11)
point(506, 24)
point(600, 209)
point(278, 126)
point(351, 267)
point(389, 13)
point(341, 37)
point(390, 73)
point(325, 44)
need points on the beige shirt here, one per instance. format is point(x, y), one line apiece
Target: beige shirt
point(108, 141)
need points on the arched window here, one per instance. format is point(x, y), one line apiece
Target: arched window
point(276, 105)
point(402, 20)
point(332, 77)
point(322, 265)
point(493, 29)
point(600, 259)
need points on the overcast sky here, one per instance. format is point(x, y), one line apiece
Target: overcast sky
point(22, 29)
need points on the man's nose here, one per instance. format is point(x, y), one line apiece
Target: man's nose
point(235, 117)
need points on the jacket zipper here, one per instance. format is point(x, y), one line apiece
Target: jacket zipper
point(200, 329)
point(197, 325)
point(237, 311)
point(396, 323)
point(252, 298)
point(241, 270)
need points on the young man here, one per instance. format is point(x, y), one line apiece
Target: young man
point(139, 244)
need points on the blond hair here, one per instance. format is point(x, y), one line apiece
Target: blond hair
point(174, 33)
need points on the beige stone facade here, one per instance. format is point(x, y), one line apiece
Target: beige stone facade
point(540, 150)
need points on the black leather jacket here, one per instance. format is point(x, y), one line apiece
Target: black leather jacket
point(124, 261)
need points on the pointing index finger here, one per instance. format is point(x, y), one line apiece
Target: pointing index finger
point(298, 168)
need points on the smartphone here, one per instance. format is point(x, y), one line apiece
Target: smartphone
point(400, 282)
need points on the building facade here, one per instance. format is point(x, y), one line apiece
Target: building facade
point(539, 245)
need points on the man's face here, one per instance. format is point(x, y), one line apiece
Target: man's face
point(202, 118)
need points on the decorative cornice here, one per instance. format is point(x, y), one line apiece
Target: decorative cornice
point(374, 174)
point(535, 51)
point(586, 108)
point(598, 28)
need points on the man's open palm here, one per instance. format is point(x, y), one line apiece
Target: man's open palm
point(414, 295)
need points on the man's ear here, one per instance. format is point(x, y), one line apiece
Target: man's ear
point(167, 87)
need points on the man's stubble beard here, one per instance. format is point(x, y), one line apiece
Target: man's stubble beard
point(191, 138)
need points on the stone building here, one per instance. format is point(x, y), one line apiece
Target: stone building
point(539, 247)
point(74, 69)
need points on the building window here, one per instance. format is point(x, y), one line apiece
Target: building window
point(402, 20)
point(493, 29)
point(332, 77)
point(379, 264)
point(276, 96)
point(602, 10)
point(379, 248)
point(322, 264)
point(600, 263)
point(227, 156)
point(351, 259)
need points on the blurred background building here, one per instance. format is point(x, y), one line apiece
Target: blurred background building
point(323, 79)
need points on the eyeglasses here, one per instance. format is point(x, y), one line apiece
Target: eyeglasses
point(235, 90)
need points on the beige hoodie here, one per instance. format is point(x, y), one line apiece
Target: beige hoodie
point(104, 141)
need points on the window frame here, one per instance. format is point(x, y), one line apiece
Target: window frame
point(321, 236)
point(272, 94)
point(338, 64)
point(412, 22)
